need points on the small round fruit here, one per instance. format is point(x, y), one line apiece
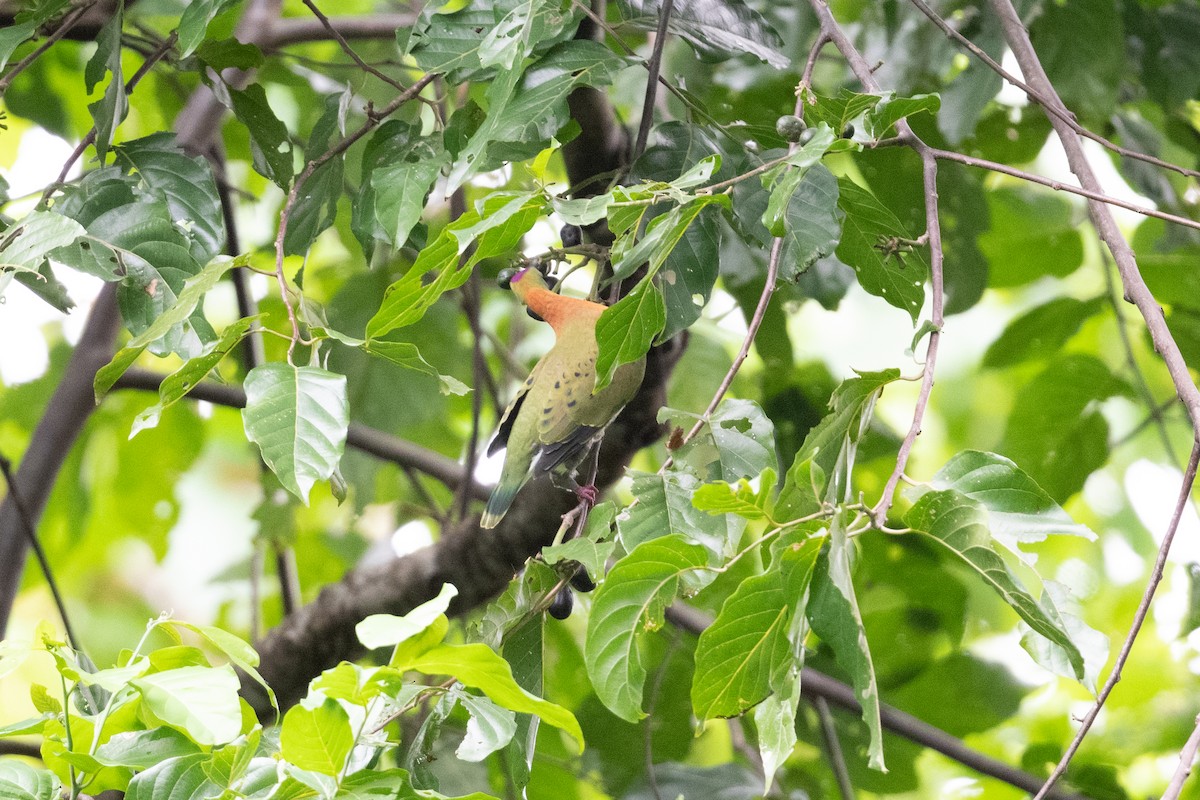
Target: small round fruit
point(582, 581)
point(790, 127)
point(848, 132)
point(806, 136)
point(562, 604)
point(571, 235)
point(505, 276)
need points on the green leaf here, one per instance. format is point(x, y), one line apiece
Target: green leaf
point(721, 498)
point(143, 749)
point(194, 290)
point(269, 143)
point(517, 34)
point(1058, 604)
point(25, 24)
point(176, 386)
point(959, 524)
point(662, 234)
point(238, 651)
point(480, 667)
point(1081, 46)
point(497, 224)
point(221, 54)
point(403, 170)
point(629, 604)
point(186, 183)
point(25, 244)
point(316, 203)
point(775, 721)
point(1019, 511)
point(737, 441)
point(834, 615)
point(665, 507)
point(1033, 233)
point(1041, 332)
point(298, 417)
point(388, 630)
point(20, 781)
point(839, 110)
point(180, 777)
point(110, 110)
point(802, 491)
point(194, 23)
point(891, 109)
point(590, 554)
point(405, 354)
point(717, 29)
point(1055, 432)
point(449, 43)
point(867, 231)
point(850, 400)
point(783, 184)
point(626, 330)
point(489, 728)
point(201, 701)
point(317, 739)
point(746, 652)
point(688, 274)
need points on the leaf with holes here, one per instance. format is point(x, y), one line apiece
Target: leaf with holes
point(664, 507)
point(737, 441)
point(298, 417)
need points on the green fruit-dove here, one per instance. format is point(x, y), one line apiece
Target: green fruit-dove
point(556, 415)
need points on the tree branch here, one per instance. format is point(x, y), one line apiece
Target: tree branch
point(1187, 757)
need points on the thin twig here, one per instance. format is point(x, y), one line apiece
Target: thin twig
point(1139, 617)
point(1187, 757)
point(813, 53)
point(1059, 186)
point(653, 67)
point(348, 50)
point(933, 230)
point(373, 119)
point(1050, 108)
point(837, 761)
point(38, 552)
point(62, 30)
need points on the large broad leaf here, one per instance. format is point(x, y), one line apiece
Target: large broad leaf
point(186, 182)
point(626, 330)
point(144, 749)
point(1041, 331)
point(20, 781)
point(737, 441)
point(783, 182)
point(480, 667)
point(664, 506)
point(629, 604)
point(202, 701)
point(317, 739)
point(870, 243)
point(1033, 233)
point(716, 28)
point(180, 778)
point(402, 166)
point(1019, 510)
point(1059, 604)
point(812, 223)
point(689, 273)
point(661, 236)
point(834, 615)
point(1055, 431)
point(959, 524)
point(746, 653)
point(298, 417)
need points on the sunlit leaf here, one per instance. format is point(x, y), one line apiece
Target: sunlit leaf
point(317, 739)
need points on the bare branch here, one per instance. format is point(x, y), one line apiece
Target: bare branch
point(837, 761)
point(1187, 757)
point(653, 66)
